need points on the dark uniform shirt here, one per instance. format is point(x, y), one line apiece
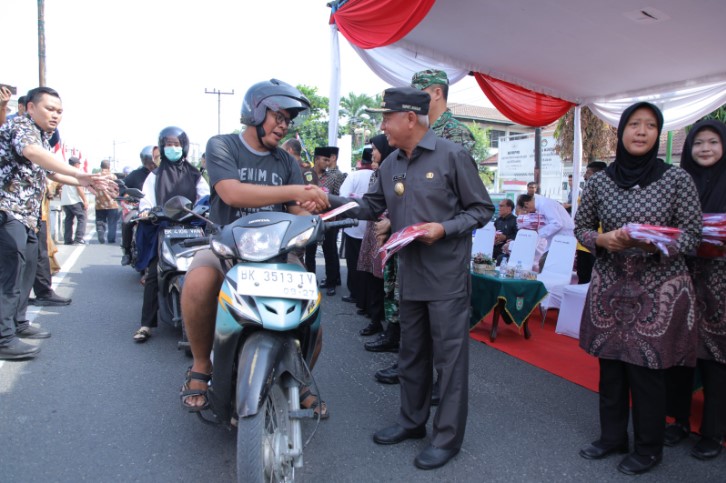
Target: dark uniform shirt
point(136, 178)
point(508, 227)
point(441, 185)
point(448, 127)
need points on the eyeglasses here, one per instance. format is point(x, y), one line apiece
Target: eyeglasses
point(281, 118)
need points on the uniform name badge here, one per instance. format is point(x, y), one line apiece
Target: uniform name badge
point(398, 186)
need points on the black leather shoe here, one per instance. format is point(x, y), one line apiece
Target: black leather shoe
point(433, 457)
point(361, 312)
point(330, 292)
point(675, 433)
point(707, 448)
point(324, 283)
point(635, 464)
point(382, 344)
point(125, 260)
point(598, 450)
point(17, 349)
point(388, 375)
point(26, 331)
point(52, 300)
point(396, 434)
point(349, 299)
point(372, 328)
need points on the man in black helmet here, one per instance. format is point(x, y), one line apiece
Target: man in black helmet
point(248, 173)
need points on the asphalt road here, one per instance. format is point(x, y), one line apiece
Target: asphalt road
point(95, 406)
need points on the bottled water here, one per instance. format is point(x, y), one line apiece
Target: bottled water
point(518, 270)
point(503, 268)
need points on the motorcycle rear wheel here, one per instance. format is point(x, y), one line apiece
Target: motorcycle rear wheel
point(263, 441)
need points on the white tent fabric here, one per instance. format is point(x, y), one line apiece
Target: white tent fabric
point(396, 65)
point(605, 55)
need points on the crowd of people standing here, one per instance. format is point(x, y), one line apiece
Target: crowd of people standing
point(652, 317)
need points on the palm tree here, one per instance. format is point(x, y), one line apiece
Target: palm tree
point(353, 110)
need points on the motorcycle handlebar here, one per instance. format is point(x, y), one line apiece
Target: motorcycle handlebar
point(191, 242)
point(347, 223)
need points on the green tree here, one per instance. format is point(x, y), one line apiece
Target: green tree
point(598, 137)
point(481, 137)
point(719, 115)
point(313, 130)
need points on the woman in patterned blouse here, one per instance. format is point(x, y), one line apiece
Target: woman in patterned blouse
point(639, 313)
point(704, 159)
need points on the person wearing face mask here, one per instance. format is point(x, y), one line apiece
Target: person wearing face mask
point(175, 176)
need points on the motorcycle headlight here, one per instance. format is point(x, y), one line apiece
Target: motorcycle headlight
point(261, 243)
point(167, 255)
point(221, 250)
point(302, 239)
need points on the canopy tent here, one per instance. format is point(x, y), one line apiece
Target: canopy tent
point(536, 59)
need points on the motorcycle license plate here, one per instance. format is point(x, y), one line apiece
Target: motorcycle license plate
point(183, 232)
point(267, 282)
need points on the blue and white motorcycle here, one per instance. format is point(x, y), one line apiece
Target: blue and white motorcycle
point(268, 318)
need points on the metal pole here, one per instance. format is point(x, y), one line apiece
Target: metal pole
point(669, 148)
point(537, 157)
point(219, 105)
point(41, 42)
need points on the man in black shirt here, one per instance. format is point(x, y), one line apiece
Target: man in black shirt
point(506, 226)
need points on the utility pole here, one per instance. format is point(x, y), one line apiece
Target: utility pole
point(41, 42)
point(219, 104)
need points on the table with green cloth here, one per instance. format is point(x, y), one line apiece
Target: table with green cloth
point(513, 299)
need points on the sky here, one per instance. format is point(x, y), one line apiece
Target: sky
point(125, 70)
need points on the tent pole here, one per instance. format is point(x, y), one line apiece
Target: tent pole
point(576, 159)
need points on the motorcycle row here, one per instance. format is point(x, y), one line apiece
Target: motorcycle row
point(267, 322)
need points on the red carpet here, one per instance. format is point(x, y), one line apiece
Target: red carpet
point(554, 353)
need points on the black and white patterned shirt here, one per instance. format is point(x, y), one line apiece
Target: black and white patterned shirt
point(22, 182)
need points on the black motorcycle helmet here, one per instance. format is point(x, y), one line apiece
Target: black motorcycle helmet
point(274, 95)
point(173, 132)
point(147, 155)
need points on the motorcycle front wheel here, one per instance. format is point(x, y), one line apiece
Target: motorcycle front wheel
point(264, 442)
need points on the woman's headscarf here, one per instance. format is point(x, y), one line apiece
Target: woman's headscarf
point(710, 181)
point(381, 144)
point(628, 170)
point(176, 179)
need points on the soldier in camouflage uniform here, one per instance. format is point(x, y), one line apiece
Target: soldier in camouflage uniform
point(436, 84)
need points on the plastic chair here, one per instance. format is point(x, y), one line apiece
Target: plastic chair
point(573, 304)
point(484, 240)
point(523, 248)
point(557, 271)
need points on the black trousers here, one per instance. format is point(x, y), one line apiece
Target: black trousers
point(74, 211)
point(42, 285)
point(106, 222)
point(310, 253)
point(372, 296)
point(618, 382)
point(19, 255)
point(332, 261)
point(435, 334)
point(585, 262)
point(150, 305)
point(680, 391)
point(353, 281)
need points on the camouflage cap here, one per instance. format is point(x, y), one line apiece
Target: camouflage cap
point(421, 80)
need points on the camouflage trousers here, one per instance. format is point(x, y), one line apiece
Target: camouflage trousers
point(390, 288)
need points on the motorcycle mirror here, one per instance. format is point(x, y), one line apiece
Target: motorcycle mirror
point(177, 207)
point(133, 192)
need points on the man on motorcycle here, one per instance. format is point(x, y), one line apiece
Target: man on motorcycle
point(174, 177)
point(248, 172)
point(136, 179)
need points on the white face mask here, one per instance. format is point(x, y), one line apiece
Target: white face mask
point(173, 153)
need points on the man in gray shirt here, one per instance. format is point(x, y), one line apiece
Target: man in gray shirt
point(433, 181)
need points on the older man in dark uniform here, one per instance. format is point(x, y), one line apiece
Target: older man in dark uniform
point(433, 181)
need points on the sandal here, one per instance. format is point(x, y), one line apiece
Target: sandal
point(187, 392)
point(142, 335)
point(319, 407)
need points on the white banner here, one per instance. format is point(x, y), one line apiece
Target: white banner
point(516, 165)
